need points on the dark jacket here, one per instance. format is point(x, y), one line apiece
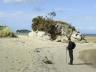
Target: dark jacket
point(71, 45)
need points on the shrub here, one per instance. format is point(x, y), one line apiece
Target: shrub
point(23, 31)
point(51, 26)
point(6, 32)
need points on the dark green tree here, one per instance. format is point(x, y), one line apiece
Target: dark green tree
point(52, 14)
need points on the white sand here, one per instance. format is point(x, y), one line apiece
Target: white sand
point(20, 55)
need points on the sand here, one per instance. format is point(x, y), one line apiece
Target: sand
point(25, 54)
point(91, 39)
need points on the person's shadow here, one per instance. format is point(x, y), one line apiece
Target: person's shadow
point(88, 57)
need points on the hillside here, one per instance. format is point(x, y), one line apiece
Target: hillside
point(52, 27)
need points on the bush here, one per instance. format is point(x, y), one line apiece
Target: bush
point(51, 26)
point(6, 32)
point(23, 31)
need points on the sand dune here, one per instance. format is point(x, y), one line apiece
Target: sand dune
point(26, 54)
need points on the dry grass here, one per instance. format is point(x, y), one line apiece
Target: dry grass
point(91, 39)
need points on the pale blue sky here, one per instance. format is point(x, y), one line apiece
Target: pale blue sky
point(18, 14)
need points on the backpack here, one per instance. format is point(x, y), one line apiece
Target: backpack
point(73, 45)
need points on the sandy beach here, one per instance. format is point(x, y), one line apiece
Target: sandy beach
point(25, 54)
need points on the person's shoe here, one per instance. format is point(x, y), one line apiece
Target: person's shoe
point(70, 63)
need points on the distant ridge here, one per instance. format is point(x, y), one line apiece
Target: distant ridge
point(89, 34)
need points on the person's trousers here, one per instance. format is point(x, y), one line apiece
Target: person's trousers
point(71, 56)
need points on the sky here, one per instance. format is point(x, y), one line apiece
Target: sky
point(18, 14)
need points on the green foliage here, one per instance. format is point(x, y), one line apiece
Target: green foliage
point(6, 32)
point(42, 24)
point(23, 31)
point(52, 14)
point(48, 25)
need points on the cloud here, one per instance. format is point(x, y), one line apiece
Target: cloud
point(20, 15)
point(13, 15)
point(1, 14)
point(5, 14)
point(21, 1)
point(88, 28)
point(8, 1)
point(38, 9)
point(18, 19)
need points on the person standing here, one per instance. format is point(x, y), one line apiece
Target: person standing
point(70, 47)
